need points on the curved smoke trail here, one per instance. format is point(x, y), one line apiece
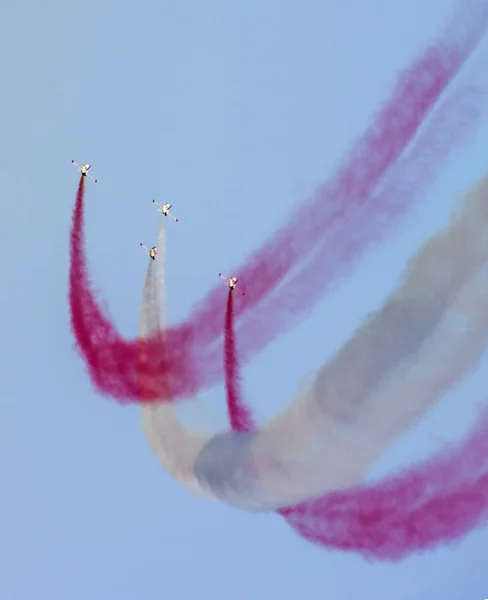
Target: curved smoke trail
point(438, 502)
point(428, 335)
point(178, 444)
point(373, 182)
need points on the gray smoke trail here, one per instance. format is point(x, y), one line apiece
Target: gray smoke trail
point(429, 334)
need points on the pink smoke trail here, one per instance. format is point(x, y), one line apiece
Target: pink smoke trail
point(406, 182)
point(438, 501)
point(239, 416)
point(416, 510)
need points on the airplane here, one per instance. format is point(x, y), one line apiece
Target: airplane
point(151, 252)
point(84, 170)
point(231, 282)
point(164, 209)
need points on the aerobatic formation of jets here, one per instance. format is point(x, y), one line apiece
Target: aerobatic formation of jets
point(164, 210)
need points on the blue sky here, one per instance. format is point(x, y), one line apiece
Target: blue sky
point(233, 112)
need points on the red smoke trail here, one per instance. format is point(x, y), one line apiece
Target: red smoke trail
point(239, 416)
point(114, 362)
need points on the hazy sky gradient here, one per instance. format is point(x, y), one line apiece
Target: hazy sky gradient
point(233, 112)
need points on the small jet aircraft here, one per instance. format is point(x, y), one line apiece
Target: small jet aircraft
point(164, 209)
point(151, 252)
point(231, 282)
point(84, 170)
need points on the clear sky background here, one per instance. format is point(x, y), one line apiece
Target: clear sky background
point(233, 111)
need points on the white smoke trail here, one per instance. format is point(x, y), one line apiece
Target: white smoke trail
point(429, 334)
point(175, 446)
